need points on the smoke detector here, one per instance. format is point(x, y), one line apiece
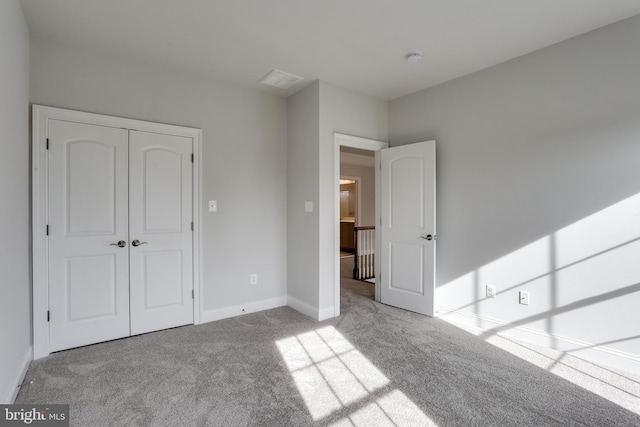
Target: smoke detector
point(413, 57)
point(280, 79)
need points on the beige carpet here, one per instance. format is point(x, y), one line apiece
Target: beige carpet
point(373, 366)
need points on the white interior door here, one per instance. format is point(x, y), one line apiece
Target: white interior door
point(407, 229)
point(88, 215)
point(160, 188)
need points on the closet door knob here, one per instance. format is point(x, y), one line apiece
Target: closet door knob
point(120, 244)
point(138, 243)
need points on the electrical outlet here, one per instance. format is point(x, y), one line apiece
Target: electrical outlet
point(213, 206)
point(491, 291)
point(524, 298)
point(253, 279)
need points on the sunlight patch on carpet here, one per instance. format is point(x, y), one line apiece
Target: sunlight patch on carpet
point(331, 375)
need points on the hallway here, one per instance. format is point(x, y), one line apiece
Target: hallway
point(352, 288)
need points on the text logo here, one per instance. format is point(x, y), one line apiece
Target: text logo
point(34, 415)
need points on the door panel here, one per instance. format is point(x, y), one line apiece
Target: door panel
point(406, 268)
point(160, 183)
point(94, 299)
point(160, 272)
point(406, 192)
point(407, 179)
point(91, 169)
point(88, 276)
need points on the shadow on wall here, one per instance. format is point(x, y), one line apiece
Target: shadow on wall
point(583, 281)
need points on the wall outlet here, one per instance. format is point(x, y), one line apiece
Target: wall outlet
point(253, 279)
point(491, 291)
point(524, 298)
point(213, 206)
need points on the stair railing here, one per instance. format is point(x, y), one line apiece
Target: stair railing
point(365, 241)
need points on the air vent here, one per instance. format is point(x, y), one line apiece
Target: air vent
point(280, 79)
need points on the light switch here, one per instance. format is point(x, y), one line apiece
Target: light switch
point(308, 206)
point(213, 206)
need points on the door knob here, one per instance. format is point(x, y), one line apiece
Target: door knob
point(138, 243)
point(428, 237)
point(120, 244)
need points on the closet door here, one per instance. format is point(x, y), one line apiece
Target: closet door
point(88, 216)
point(160, 191)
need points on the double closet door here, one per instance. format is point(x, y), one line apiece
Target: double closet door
point(120, 232)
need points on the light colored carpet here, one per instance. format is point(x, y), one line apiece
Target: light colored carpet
point(373, 366)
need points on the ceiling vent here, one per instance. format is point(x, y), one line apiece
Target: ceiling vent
point(413, 57)
point(280, 79)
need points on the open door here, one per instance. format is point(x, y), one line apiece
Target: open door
point(408, 226)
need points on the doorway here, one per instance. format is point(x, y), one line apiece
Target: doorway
point(355, 143)
point(405, 245)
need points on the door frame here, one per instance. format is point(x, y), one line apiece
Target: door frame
point(39, 181)
point(340, 139)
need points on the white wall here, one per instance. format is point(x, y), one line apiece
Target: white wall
point(366, 192)
point(15, 301)
point(351, 113)
point(529, 154)
point(302, 185)
point(244, 160)
point(314, 113)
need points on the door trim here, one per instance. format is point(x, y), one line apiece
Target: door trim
point(40, 117)
point(339, 140)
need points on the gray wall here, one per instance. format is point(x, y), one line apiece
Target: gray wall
point(244, 159)
point(15, 300)
point(351, 113)
point(366, 192)
point(314, 114)
point(302, 185)
point(529, 154)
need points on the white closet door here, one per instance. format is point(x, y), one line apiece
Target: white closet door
point(160, 191)
point(88, 271)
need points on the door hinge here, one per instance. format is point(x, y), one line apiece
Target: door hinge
point(47, 143)
point(47, 229)
point(193, 294)
point(48, 316)
point(191, 157)
point(191, 225)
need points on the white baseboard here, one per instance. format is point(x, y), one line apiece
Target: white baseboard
point(600, 354)
point(307, 310)
point(326, 313)
point(303, 307)
point(12, 392)
point(239, 310)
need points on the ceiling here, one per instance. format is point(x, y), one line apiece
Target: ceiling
point(357, 44)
